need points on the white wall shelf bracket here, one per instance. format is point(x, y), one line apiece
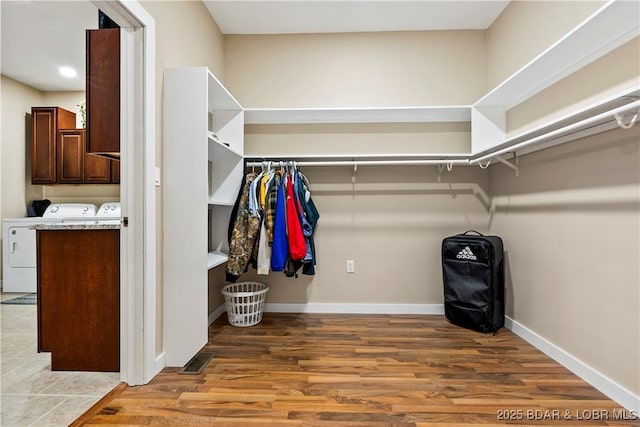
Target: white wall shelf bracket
point(355, 170)
point(506, 162)
point(488, 127)
point(440, 169)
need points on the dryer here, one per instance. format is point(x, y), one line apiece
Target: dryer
point(19, 253)
point(19, 259)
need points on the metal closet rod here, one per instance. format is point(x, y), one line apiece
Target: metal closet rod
point(582, 124)
point(363, 162)
point(613, 113)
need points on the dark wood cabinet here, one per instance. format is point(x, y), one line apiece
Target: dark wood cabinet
point(115, 171)
point(103, 92)
point(62, 159)
point(70, 156)
point(79, 298)
point(97, 170)
point(46, 121)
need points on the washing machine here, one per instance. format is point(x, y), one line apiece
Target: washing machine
point(19, 260)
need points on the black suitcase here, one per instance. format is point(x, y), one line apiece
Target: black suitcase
point(473, 274)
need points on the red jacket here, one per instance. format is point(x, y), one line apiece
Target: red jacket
point(297, 245)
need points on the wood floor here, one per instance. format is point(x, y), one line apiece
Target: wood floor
point(363, 370)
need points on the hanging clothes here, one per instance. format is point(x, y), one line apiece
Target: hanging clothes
point(273, 223)
point(280, 247)
point(297, 246)
point(264, 249)
point(243, 235)
point(311, 216)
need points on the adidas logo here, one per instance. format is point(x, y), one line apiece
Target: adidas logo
point(466, 254)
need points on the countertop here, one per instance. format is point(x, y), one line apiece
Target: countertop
point(88, 225)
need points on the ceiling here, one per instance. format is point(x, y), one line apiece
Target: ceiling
point(40, 36)
point(332, 16)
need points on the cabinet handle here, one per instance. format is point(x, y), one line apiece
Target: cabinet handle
point(13, 247)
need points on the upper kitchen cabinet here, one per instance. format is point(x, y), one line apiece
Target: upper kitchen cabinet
point(46, 121)
point(59, 152)
point(103, 92)
point(70, 156)
point(75, 166)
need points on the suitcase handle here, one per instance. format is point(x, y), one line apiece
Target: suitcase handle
point(472, 231)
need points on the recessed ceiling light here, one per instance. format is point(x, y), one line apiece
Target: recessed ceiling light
point(67, 72)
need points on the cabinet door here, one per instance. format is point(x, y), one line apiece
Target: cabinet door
point(115, 171)
point(79, 298)
point(45, 123)
point(96, 169)
point(71, 156)
point(103, 91)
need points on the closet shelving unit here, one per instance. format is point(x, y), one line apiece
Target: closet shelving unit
point(609, 113)
point(202, 174)
point(608, 28)
point(614, 24)
point(203, 166)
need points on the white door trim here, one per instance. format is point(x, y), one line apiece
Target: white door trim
point(137, 191)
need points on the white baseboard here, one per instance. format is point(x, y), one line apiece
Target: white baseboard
point(217, 313)
point(160, 363)
point(607, 386)
point(354, 308)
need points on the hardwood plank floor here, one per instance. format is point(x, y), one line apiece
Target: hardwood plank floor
point(363, 370)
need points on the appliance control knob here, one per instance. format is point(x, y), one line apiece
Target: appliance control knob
point(54, 209)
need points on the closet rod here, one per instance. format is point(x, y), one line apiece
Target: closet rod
point(582, 124)
point(363, 162)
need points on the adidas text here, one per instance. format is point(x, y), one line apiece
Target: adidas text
point(466, 254)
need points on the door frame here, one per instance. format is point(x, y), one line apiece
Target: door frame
point(138, 321)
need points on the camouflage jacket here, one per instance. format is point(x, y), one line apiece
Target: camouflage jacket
point(243, 235)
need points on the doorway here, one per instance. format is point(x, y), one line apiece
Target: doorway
point(138, 361)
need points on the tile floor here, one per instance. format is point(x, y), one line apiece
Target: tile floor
point(30, 393)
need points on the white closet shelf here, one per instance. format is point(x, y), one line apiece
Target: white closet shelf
point(356, 157)
point(219, 202)
point(590, 120)
point(363, 160)
point(216, 258)
point(614, 24)
point(617, 110)
point(452, 113)
point(219, 97)
point(219, 150)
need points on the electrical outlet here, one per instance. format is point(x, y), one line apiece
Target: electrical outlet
point(351, 267)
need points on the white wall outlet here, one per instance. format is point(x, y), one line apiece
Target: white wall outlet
point(351, 266)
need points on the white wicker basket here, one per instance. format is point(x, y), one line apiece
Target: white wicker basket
point(245, 302)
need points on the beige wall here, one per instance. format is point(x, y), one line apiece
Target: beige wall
point(614, 73)
point(185, 36)
point(355, 70)
point(17, 100)
point(391, 223)
point(380, 138)
point(526, 28)
point(393, 220)
point(571, 230)
point(570, 220)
